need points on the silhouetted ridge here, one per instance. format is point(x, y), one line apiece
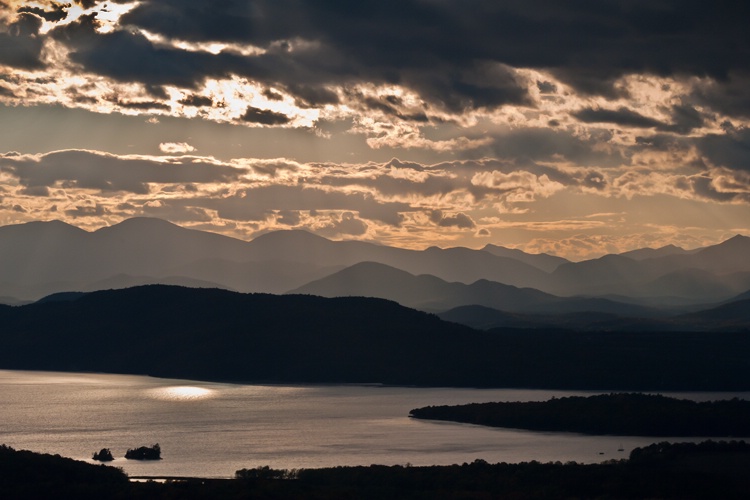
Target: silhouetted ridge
point(542, 261)
point(430, 293)
point(41, 227)
point(650, 253)
point(215, 334)
point(61, 297)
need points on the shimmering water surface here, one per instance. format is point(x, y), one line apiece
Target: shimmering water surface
point(211, 430)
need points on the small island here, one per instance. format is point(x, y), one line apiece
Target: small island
point(623, 414)
point(144, 453)
point(103, 455)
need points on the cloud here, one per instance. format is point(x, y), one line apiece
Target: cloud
point(21, 44)
point(264, 116)
point(728, 96)
point(684, 118)
point(459, 220)
point(347, 225)
point(288, 217)
point(731, 149)
point(35, 191)
point(519, 186)
point(129, 56)
point(534, 144)
point(87, 211)
point(589, 46)
point(620, 116)
point(261, 203)
point(109, 173)
point(176, 147)
point(196, 100)
point(58, 12)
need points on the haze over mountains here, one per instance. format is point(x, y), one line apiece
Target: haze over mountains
point(41, 258)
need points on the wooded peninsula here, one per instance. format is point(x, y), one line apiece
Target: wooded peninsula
point(624, 414)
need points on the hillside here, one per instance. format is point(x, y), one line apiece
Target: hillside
point(215, 334)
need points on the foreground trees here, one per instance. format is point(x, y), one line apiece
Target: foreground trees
point(706, 470)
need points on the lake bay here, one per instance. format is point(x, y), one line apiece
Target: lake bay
point(212, 429)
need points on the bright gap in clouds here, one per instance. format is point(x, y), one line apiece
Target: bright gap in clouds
point(108, 14)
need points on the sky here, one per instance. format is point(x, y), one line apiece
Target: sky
point(577, 128)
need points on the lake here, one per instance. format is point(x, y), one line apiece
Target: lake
point(211, 429)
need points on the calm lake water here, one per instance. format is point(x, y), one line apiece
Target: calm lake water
point(211, 430)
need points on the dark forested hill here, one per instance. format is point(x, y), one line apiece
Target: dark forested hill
point(706, 470)
point(220, 335)
point(619, 414)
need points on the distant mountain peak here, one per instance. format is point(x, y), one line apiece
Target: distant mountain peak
point(49, 224)
point(141, 223)
point(737, 238)
point(290, 232)
point(650, 253)
point(737, 243)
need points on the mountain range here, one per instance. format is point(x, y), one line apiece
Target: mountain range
point(42, 258)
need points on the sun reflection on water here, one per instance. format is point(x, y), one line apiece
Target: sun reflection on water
point(182, 393)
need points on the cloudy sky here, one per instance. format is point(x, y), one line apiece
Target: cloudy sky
point(577, 128)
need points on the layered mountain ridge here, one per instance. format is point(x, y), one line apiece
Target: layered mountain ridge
point(42, 258)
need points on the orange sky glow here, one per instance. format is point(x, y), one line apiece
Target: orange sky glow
point(590, 130)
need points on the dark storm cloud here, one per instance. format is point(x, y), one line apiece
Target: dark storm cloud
point(264, 116)
point(684, 118)
point(312, 96)
point(729, 96)
point(196, 100)
point(87, 170)
point(21, 44)
point(305, 72)
point(58, 12)
point(621, 116)
point(459, 220)
point(546, 87)
point(441, 48)
point(142, 105)
point(731, 150)
point(129, 56)
point(390, 106)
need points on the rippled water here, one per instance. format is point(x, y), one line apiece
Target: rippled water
point(212, 430)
